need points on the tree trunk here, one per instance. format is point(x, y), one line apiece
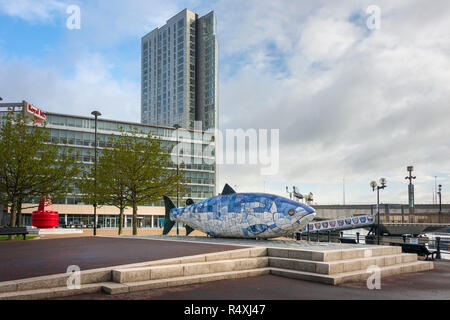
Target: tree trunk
point(120, 221)
point(134, 219)
point(12, 222)
point(19, 213)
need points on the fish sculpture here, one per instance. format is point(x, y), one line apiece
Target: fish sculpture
point(240, 215)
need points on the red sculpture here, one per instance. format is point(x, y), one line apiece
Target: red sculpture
point(45, 217)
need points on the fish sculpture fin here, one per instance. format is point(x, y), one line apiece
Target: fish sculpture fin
point(189, 202)
point(227, 189)
point(188, 230)
point(168, 224)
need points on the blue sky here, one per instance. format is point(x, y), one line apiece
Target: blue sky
point(348, 101)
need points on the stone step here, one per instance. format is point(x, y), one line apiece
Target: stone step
point(354, 276)
point(117, 288)
point(55, 280)
point(188, 269)
point(334, 255)
point(340, 266)
point(52, 293)
point(105, 274)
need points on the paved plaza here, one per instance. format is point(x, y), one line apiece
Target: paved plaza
point(33, 258)
point(268, 243)
point(26, 259)
point(432, 285)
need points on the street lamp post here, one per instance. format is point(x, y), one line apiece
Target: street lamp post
point(290, 193)
point(374, 185)
point(440, 202)
point(410, 192)
point(95, 114)
point(176, 126)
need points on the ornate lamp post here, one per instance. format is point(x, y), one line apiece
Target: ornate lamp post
point(374, 186)
point(410, 192)
point(176, 126)
point(95, 114)
point(295, 193)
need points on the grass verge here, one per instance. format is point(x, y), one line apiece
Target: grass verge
point(5, 238)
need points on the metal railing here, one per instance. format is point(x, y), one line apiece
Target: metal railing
point(439, 243)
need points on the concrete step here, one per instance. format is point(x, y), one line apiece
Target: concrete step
point(340, 266)
point(334, 255)
point(354, 276)
point(117, 288)
point(51, 293)
point(187, 269)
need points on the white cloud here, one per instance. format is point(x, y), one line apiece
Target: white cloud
point(353, 103)
point(90, 86)
point(32, 10)
point(327, 39)
point(348, 101)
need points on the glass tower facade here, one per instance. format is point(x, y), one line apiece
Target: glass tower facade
point(179, 72)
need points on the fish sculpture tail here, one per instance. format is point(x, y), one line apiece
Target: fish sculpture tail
point(168, 224)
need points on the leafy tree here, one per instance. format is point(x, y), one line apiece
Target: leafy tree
point(31, 165)
point(132, 171)
point(110, 187)
point(147, 172)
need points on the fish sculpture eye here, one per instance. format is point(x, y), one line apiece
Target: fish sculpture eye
point(291, 212)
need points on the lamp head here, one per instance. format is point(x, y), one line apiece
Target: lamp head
point(176, 126)
point(383, 181)
point(373, 184)
point(410, 168)
point(96, 113)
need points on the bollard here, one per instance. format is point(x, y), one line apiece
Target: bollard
point(357, 237)
point(404, 238)
point(438, 247)
point(329, 234)
point(318, 236)
point(307, 236)
point(297, 235)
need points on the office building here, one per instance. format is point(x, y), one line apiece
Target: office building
point(78, 132)
point(180, 72)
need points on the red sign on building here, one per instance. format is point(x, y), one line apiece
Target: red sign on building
point(35, 112)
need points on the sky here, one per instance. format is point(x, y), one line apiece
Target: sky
point(353, 100)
